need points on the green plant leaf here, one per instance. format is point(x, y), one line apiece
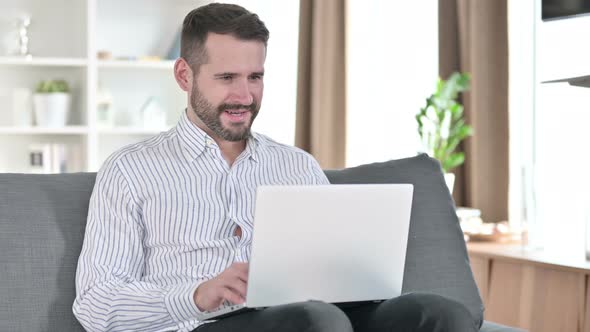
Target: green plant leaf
point(454, 160)
point(441, 120)
point(457, 111)
point(52, 86)
point(464, 131)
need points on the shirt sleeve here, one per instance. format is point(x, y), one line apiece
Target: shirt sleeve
point(110, 293)
point(318, 175)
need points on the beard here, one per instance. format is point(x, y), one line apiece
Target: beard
point(211, 117)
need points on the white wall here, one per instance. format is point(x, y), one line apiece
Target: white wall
point(562, 117)
point(277, 114)
point(522, 82)
point(552, 142)
point(392, 64)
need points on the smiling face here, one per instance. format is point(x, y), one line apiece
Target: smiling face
point(226, 92)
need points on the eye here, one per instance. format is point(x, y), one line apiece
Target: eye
point(256, 77)
point(226, 77)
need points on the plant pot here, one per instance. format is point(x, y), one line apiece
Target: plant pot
point(52, 109)
point(450, 180)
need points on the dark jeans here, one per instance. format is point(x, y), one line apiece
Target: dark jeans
point(415, 312)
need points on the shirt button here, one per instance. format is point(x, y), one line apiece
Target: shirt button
point(208, 141)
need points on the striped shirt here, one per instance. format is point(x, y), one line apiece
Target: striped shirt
point(161, 221)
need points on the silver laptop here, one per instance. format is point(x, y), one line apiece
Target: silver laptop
point(332, 243)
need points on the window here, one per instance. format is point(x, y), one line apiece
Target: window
point(277, 113)
point(392, 67)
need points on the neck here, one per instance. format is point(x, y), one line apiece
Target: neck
point(230, 150)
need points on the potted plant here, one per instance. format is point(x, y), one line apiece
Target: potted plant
point(52, 103)
point(441, 125)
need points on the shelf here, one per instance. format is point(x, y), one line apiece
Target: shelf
point(43, 62)
point(165, 64)
point(551, 258)
point(68, 130)
point(581, 81)
point(66, 42)
point(131, 131)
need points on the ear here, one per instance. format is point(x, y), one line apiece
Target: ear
point(183, 74)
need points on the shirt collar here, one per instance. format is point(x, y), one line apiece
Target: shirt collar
point(252, 146)
point(195, 140)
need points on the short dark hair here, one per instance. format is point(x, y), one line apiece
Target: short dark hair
point(218, 18)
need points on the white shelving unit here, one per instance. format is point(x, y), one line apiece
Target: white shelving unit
point(168, 65)
point(36, 130)
point(44, 62)
point(65, 37)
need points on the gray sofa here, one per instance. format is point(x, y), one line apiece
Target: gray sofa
point(42, 220)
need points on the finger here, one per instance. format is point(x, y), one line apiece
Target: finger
point(211, 296)
point(229, 295)
point(238, 286)
point(234, 283)
point(236, 271)
point(240, 270)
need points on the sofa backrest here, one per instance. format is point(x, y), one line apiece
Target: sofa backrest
point(43, 217)
point(42, 222)
point(436, 258)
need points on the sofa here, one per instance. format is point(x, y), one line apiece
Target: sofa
point(42, 222)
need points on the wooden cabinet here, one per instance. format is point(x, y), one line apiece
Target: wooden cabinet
point(537, 291)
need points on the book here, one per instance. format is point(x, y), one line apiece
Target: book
point(53, 158)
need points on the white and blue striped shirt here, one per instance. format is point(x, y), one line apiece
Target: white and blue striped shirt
point(161, 221)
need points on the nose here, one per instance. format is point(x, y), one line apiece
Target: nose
point(241, 93)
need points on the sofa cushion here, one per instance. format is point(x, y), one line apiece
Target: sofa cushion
point(436, 258)
point(42, 220)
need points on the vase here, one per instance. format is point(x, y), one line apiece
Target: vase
point(51, 109)
point(450, 181)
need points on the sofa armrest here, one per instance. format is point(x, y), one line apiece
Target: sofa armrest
point(493, 327)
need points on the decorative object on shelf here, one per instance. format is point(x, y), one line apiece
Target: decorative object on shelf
point(22, 107)
point(174, 52)
point(52, 102)
point(475, 229)
point(125, 117)
point(39, 158)
point(49, 158)
point(104, 55)
point(467, 213)
point(104, 107)
point(152, 58)
point(23, 35)
point(441, 125)
point(152, 114)
point(14, 33)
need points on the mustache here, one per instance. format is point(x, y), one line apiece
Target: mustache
point(224, 107)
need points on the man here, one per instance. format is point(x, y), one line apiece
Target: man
point(170, 219)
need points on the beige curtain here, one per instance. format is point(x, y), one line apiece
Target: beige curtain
point(321, 106)
point(473, 37)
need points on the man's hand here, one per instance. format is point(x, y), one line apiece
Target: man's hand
point(230, 285)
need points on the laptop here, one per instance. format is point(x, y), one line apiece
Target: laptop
point(331, 243)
